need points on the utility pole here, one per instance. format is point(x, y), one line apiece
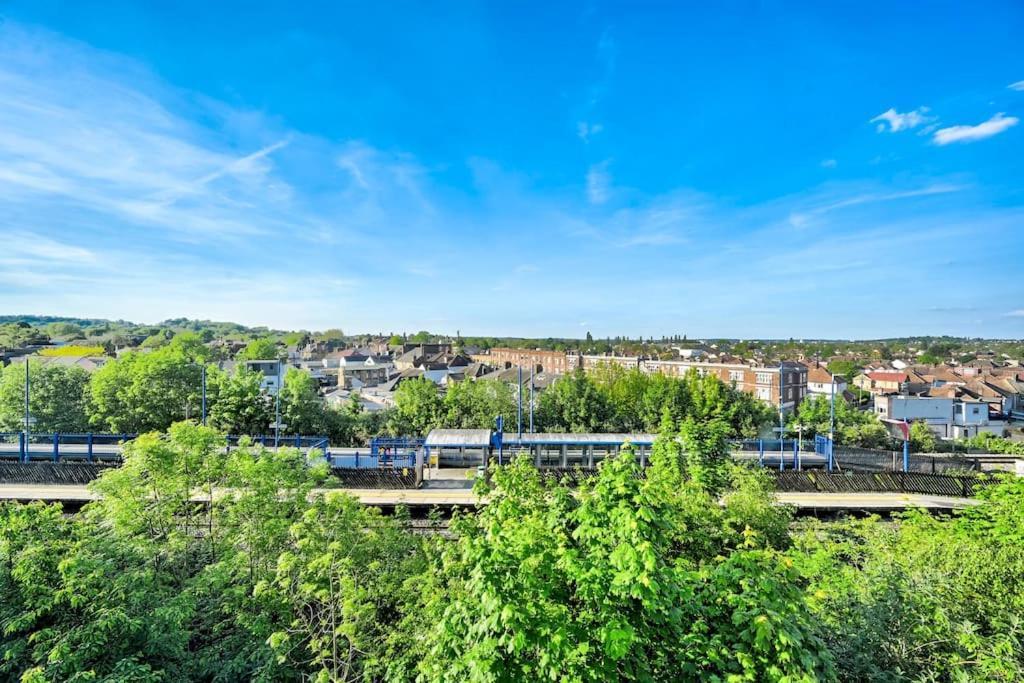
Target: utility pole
point(782, 420)
point(519, 420)
point(832, 425)
point(204, 394)
point(277, 408)
point(532, 367)
point(27, 418)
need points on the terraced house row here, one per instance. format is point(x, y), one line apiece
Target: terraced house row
point(784, 384)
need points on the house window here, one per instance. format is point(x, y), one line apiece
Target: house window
point(736, 375)
point(764, 393)
point(764, 378)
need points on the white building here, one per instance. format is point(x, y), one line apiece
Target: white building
point(821, 382)
point(948, 418)
point(272, 371)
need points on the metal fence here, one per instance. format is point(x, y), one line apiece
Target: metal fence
point(96, 447)
point(881, 482)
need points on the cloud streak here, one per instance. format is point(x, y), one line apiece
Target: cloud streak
point(994, 126)
point(894, 122)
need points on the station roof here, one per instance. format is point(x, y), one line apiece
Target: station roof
point(459, 438)
point(558, 439)
point(481, 438)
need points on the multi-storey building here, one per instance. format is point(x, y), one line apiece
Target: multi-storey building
point(553, 362)
point(575, 359)
point(762, 382)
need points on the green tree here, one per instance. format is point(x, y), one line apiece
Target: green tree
point(263, 348)
point(237, 403)
point(574, 404)
point(922, 439)
point(57, 397)
point(545, 585)
point(141, 392)
point(344, 575)
point(302, 409)
point(475, 404)
point(418, 407)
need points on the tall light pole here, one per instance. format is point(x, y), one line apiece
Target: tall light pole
point(204, 394)
point(782, 420)
point(519, 420)
point(27, 418)
point(532, 368)
point(832, 425)
point(277, 408)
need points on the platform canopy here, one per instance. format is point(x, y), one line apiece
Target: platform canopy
point(458, 438)
point(560, 439)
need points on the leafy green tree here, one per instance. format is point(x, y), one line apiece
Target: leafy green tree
point(707, 453)
point(922, 439)
point(238, 404)
point(475, 404)
point(418, 407)
point(574, 404)
point(302, 409)
point(140, 392)
point(847, 369)
point(344, 575)
point(57, 397)
point(927, 598)
point(545, 585)
point(16, 335)
point(263, 348)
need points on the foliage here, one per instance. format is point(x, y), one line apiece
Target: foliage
point(475, 404)
point(73, 350)
point(238, 404)
point(16, 335)
point(852, 426)
point(200, 565)
point(613, 399)
point(418, 407)
point(263, 348)
point(987, 442)
point(936, 599)
point(922, 439)
point(544, 585)
point(57, 397)
point(140, 392)
point(574, 404)
point(847, 369)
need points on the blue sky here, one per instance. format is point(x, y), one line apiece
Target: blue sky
point(746, 169)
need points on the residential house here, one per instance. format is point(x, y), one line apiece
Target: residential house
point(879, 383)
point(821, 382)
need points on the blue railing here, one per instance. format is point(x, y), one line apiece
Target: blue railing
point(93, 447)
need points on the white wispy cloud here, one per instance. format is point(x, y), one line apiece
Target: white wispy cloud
point(829, 163)
point(1019, 313)
point(599, 182)
point(1019, 85)
point(585, 130)
point(89, 130)
point(802, 217)
point(905, 121)
point(994, 126)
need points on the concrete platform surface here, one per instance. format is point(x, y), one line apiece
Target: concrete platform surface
point(458, 496)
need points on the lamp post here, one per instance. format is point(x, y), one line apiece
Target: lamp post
point(27, 417)
point(204, 394)
point(831, 426)
point(519, 418)
point(782, 419)
point(277, 408)
point(532, 368)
